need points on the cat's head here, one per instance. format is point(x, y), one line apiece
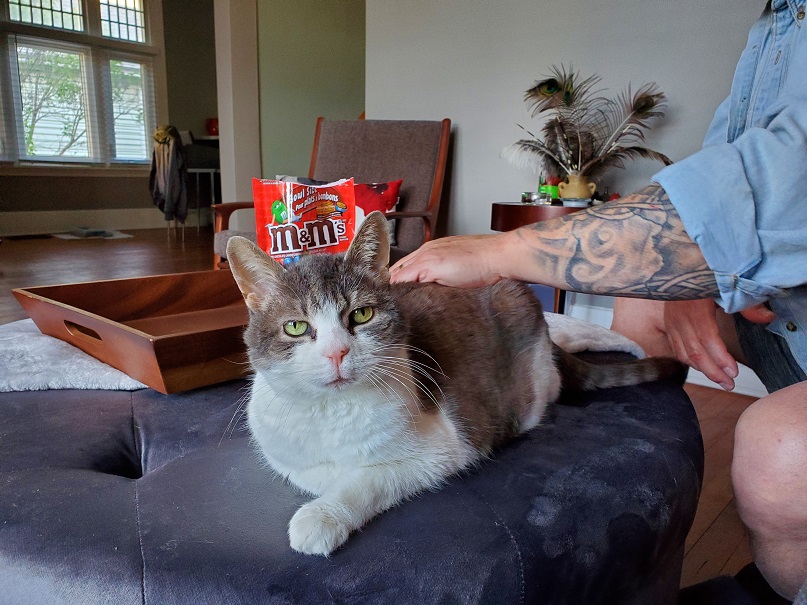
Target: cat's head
point(327, 322)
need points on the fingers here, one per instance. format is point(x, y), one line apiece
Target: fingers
point(460, 261)
point(760, 314)
point(409, 268)
point(694, 337)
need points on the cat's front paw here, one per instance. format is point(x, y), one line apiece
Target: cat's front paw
point(318, 528)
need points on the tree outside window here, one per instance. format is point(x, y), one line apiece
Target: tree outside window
point(54, 103)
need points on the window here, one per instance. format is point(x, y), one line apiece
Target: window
point(77, 82)
point(52, 13)
point(123, 20)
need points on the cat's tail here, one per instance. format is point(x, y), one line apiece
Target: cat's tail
point(578, 375)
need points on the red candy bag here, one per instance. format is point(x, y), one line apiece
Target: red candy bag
point(293, 219)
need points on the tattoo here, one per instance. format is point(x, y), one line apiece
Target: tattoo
point(637, 247)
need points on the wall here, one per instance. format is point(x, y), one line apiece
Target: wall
point(190, 63)
point(472, 61)
point(311, 64)
point(237, 61)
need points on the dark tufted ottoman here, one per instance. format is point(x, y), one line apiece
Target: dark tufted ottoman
point(131, 498)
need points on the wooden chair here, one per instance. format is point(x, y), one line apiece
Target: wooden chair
point(373, 151)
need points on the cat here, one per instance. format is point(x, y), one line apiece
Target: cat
point(367, 393)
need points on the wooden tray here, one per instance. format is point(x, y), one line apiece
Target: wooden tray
point(172, 332)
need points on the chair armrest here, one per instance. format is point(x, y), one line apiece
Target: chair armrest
point(426, 215)
point(224, 211)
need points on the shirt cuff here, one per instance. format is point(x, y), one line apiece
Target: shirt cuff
point(716, 204)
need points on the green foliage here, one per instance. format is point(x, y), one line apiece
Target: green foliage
point(55, 99)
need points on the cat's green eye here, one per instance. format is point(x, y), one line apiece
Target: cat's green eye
point(362, 315)
point(295, 328)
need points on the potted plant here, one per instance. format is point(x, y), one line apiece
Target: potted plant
point(587, 133)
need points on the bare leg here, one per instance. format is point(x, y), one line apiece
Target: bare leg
point(770, 484)
point(643, 322)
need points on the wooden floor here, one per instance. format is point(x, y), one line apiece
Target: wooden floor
point(39, 262)
point(717, 543)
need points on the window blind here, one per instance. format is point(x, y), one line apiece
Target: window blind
point(71, 102)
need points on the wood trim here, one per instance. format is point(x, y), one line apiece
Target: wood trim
point(81, 38)
point(315, 148)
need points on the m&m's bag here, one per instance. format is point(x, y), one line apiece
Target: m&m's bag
point(293, 219)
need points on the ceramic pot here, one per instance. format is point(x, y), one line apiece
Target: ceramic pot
point(576, 186)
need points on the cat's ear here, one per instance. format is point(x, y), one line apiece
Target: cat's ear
point(370, 247)
point(255, 272)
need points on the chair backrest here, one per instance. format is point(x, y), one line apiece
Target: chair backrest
point(378, 151)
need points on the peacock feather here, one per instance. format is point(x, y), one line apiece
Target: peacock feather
point(585, 132)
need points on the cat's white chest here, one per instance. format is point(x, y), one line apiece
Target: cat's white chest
point(313, 442)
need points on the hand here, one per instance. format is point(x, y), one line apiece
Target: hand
point(694, 337)
point(465, 261)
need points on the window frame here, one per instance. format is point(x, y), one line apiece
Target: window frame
point(100, 50)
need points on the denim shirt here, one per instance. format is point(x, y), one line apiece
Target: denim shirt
point(743, 197)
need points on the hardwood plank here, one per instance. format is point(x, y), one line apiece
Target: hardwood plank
point(739, 558)
point(717, 542)
point(716, 547)
point(715, 497)
point(39, 262)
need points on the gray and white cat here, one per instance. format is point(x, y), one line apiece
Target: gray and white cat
point(367, 393)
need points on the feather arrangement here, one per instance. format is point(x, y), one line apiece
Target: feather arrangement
point(587, 133)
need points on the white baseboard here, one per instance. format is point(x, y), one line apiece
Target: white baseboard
point(58, 221)
point(746, 383)
point(579, 306)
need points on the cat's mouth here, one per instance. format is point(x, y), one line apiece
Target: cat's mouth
point(339, 382)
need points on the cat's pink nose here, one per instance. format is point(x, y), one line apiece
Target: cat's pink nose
point(337, 356)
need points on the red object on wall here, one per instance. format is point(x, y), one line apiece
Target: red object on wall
point(212, 126)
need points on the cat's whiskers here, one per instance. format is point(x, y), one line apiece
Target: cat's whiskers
point(378, 370)
point(401, 402)
point(378, 382)
point(422, 386)
point(415, 367)
point(240, 410)
point(395, 373)
point(286, 406)
point(411, 348)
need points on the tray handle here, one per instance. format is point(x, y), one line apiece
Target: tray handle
point(80, 331)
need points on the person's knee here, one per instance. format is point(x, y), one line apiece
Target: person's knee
point(770, 446)
point(770, 480)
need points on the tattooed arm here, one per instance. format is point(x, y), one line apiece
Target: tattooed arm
point(635, 247)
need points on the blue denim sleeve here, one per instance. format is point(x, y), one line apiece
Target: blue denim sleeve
point(745, 205)
point(743, 197)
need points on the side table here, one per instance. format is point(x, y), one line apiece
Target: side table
point(506, 216)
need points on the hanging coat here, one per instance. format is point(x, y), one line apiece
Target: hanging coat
point(167, 176)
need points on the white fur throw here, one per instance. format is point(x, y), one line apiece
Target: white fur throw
point(31, 361)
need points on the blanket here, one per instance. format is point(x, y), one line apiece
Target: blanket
point(32, 361)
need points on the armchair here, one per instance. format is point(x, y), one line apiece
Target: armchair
point(373, 151)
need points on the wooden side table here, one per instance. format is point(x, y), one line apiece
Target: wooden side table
point(506, 216)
